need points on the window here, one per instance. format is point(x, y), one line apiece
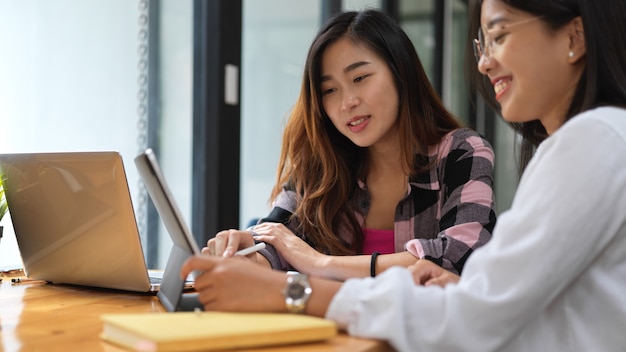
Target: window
point(75, 78)
point(276, 39)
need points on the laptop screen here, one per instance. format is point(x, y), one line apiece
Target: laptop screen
point(74, 220)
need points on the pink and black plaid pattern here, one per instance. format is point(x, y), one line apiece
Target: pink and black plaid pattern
point(447, 213)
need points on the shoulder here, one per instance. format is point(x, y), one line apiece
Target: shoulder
point(596, 122)
point(463, 141)
point(594, 140)
point(286, 199)
point(466, 136)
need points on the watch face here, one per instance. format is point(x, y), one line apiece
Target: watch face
point(295, 291)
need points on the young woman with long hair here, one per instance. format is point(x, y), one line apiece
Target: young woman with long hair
point(371, 163)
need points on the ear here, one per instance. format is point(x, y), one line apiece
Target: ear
point(577, 47)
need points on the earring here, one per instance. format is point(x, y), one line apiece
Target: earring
point(570, 54)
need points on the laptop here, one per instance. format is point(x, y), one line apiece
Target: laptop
point(172, 295)
point(74, 221)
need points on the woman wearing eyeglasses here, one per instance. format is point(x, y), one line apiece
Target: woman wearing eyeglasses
point(553, 277)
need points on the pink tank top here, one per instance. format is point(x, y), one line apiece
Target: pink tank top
point(378, 241)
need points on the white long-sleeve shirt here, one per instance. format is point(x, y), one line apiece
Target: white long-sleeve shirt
point(553, 277)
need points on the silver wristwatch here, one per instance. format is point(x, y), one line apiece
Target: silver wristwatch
point(297, 292)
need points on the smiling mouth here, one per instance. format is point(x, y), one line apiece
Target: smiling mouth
point(500, 86)
point(358, 121)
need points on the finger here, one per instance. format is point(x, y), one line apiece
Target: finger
point(444, 279)
point(196, 263)
point(437, 281)
point(221, 240)
point(206, 299)
point(260, 226)
point(203, 283)
point(238, 240)
point(423, 274)
point(421, 277)
point(231, 246)
point(264, 227)
point(210, 248)
point(263, 238)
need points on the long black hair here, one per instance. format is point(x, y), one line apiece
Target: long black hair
point(603, 81)
point(320, 163)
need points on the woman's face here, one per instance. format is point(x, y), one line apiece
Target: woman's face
point(529, 65)
point(359, 94)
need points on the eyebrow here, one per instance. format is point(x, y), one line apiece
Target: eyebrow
point(495, 21)
point(348, 68)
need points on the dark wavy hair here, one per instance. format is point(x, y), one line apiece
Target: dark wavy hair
point(321, 164)
point(603, 81)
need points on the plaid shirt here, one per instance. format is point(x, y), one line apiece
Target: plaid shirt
point(447, 212)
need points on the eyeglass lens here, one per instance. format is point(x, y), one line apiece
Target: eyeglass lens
point(484, 44)
point(479, 46)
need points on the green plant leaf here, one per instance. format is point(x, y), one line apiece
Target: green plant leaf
point(4, 207)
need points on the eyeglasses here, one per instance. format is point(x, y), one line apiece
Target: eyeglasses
point(489, 39)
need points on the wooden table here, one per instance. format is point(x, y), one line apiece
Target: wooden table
point(35, 316)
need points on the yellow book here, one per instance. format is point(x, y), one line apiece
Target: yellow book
point(190, 331)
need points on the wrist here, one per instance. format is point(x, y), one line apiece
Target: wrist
point(324, 263)
point(373, 261)
point(297, 292)
point(326, 267)
point(251, 232)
